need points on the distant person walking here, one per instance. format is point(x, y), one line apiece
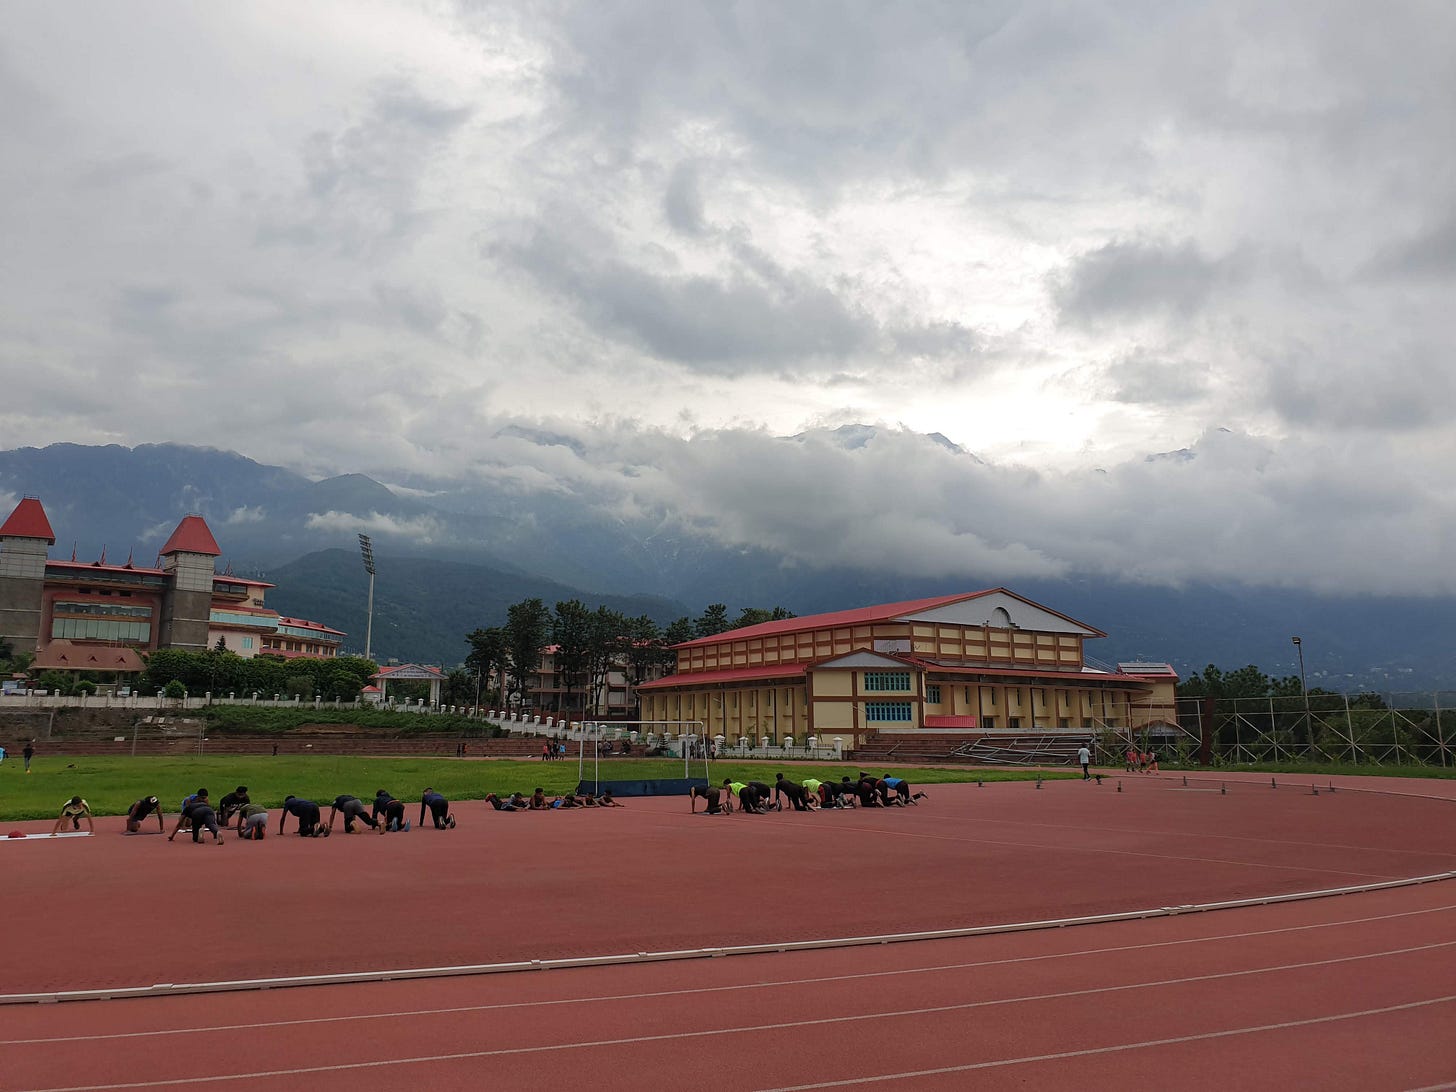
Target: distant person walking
point(28, 752)
point(1084, 756)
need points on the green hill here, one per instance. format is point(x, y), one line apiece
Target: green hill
point(423, 608)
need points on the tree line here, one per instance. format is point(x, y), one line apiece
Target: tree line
point(588, 645)
point(1250, 682)
point(219, 672)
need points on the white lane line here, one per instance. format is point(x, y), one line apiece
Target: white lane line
point(782, 1026)
point(1118, 1047)
point(730, 988)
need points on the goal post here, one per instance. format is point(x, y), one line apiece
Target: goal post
point(690, 738)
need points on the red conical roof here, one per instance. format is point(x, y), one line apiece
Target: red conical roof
point(192, 537)
point(28, 521)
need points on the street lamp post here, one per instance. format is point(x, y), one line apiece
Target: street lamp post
point(366, 550)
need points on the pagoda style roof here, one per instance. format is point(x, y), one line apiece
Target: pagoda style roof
point(64, 655)
point(192, 536)
point(28, 521)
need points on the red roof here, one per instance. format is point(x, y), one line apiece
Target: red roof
point(736, 674)
point(65, 656)
point(28, 521)
point(95, 566)
point(1073, 675)
point(859, 616)
point(304, 623)
point(885, 612)
point(192, 536)
point(429, 669)
point(225, 578)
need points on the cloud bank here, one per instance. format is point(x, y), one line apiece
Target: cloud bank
point(1177, 274)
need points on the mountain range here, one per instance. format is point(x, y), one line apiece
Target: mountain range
point(452, 557)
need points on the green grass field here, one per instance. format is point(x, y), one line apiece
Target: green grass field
point(110, 783)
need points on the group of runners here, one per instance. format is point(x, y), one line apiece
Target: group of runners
point(197, 814)
point(385, 813)
point(537, 801)
point(811, 794)
point(1141, 761)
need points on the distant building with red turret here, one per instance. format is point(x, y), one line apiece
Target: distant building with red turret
point(94, 616)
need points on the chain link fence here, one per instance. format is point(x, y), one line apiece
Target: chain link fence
point(1397, 730)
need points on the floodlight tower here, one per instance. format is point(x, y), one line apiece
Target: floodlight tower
point(366, 550)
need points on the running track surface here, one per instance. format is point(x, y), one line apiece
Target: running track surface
point(1357, 991)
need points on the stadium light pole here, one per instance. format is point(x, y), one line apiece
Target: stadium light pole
point(366, 550)
point(1303, 686)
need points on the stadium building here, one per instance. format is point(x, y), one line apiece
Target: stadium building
point(982, 663)
point(93, 616)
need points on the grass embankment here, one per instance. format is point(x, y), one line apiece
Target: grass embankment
point(111, 782)
point(250, 720)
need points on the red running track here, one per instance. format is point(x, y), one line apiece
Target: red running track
point(1347, 992)
point(1351, 993)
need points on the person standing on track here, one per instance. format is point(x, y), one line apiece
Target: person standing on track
point(352, 808)
point(439, 810)
point(252, 822)
point(1084, 757)
point(147, 805)
point(308, 815)
point(392, 810)
point(28, 752)
point(74, 810)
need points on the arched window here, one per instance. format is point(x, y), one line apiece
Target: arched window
point(1001, 617)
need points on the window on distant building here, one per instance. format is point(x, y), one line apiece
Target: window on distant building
point(887, 712)
point(247, 642)
point(932, 694)
point(988, 723)
point(880, 681)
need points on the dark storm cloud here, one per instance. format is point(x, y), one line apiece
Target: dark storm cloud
point(1154, 378)
point(1398, 388)
point(754, 316)
point(682, 204)
point(360, 183)
point(1135, 279)
point(1429, 254)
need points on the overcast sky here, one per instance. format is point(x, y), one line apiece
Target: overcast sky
point(1177, 277)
